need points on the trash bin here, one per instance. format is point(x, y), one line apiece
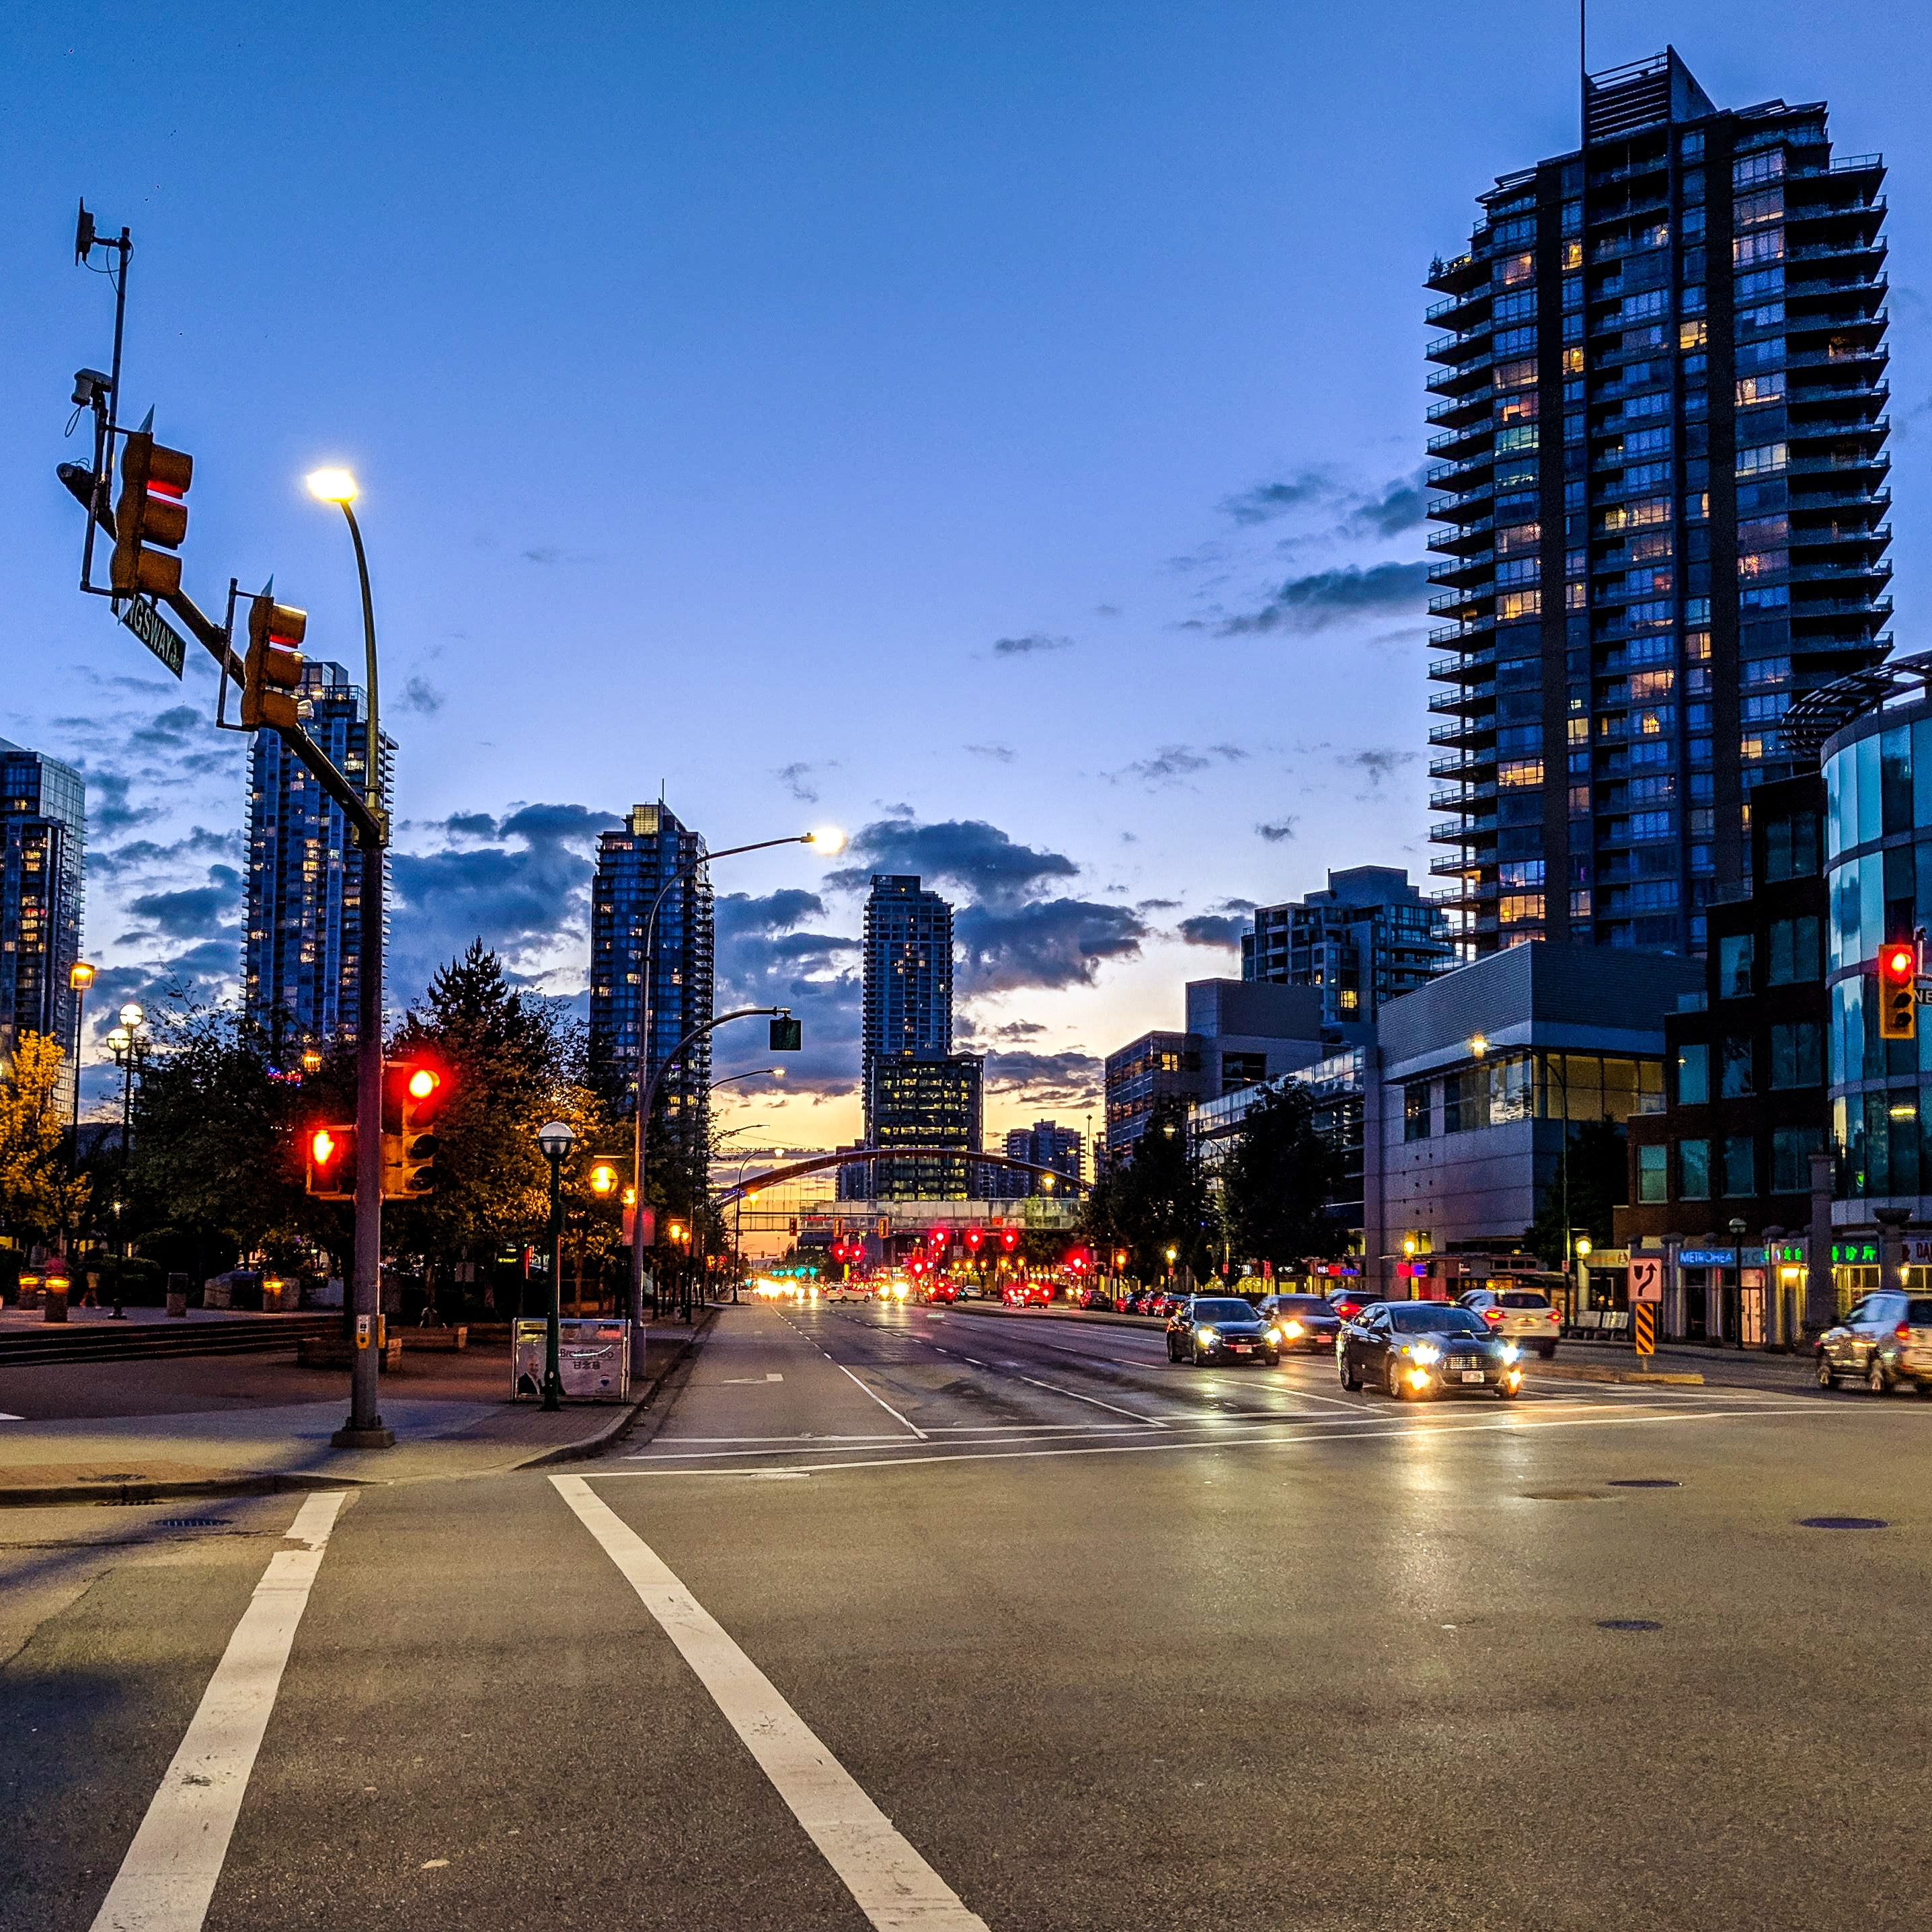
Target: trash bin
point(178, 1296)
point(593, 1358)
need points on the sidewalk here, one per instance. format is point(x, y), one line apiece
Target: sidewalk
point(237, 1426)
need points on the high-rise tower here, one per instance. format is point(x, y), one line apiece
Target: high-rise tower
point(1660, 449)
point(43, 854)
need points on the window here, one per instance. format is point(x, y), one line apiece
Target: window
point(1794, 958)
point(1415, 1112)
point(1766, 245)
point(1740, 1165)
point(1465, 1097)
point(1517, 538)
point(1693, 1170)
point(1762, 459)
point(1797, 1054)
point(1752, 390)
point(1519, 772)
point(1791, 1151)
point(1756, 169)
point(1653, 1172)
point(1693, 1074)
point(1735, 960)
point(1518, 570)
point(1735, 1081)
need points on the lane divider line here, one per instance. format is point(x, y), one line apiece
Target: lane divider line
point(895, 1888)
point(881, 1401)
point(169, 1876)
point(1146, 1421)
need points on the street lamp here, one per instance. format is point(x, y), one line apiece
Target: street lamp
point(364, 1428)
point(80, 977)
point(827, 841)
point(128, 1043)
point(556, 1139)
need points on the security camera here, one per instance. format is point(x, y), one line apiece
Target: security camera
point(88, 384)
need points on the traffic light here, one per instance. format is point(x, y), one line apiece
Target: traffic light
point(332, 1163)
point(787, 1034)
point(1009, 1239)
point(274, 667)
point(1898, 990)
point(154, 480)
point(412, 1093)
point(973, 1238)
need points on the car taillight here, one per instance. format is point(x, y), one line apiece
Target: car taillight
point(1554, 1316)
point(1903, 1332)
point(1492, 1315)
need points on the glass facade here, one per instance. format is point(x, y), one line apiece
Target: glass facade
point(1368, 938)
point(1660, 436)
point(43, 866)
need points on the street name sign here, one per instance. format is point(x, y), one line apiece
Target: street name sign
point(154, 631)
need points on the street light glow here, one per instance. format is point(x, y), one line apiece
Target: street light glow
point(332, 486)
point(80, 976)
point(132, 1015)
point(1478, 1045)
point(828, 839)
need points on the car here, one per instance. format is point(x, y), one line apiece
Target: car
point(942, 1291)
point(1093, 1296)
point(1425, 1348)
point(1207, 1328)
point(1523, 1316)
point(1884, 1341)
point(1306, 1321)
point(1347, 1302)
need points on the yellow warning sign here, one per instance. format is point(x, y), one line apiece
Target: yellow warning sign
point(1643, 1328)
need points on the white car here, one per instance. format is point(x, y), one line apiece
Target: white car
point(1523, 1316)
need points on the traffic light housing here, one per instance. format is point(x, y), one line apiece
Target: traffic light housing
point(331, 1154)
point(1898, 990)
point(273, 669)
point(412, 1093)
point(151, 512)
point(787, 1034)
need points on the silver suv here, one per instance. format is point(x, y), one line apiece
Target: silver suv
point(1523, 1315)
point(1885, 1342)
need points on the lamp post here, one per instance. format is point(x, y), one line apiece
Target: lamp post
point(827, 841)
point(128, 1043)
point(556, 1140)
point(364, 1428)
point(80, 977)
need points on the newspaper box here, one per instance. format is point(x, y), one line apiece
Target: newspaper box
point(593, 1358)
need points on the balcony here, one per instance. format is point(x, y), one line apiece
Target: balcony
point(1457, 348)
point(1843, 461)
point(1461, 410)
point(1465, 698)
point(1459, 569)
point(1455, 542)
point(1463, 601)
point(1474, 635)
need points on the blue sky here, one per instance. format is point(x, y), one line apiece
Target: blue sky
point(993, 426)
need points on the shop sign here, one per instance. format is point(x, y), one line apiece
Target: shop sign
point(1854, 1254)
point(1708, 1257)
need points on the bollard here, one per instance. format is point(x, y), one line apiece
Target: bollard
point(56, 1308)
point(177, 1296)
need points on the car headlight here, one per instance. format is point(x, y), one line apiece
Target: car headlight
point(1275, 1335)
point(1426, 1353)
point(1207, 1335)
point(1294, 1328)
point(1510, 1351)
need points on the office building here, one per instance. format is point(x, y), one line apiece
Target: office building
point(929, 1101)
point(653, 852)
point(1370, 936)
point(1660, 436)
point(43, 861)
point(301, 954)
point(1238, 1033)
point(1045, 1143)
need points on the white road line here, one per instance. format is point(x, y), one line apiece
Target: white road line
point(880, 1400)
point(895, 1888)
point(168, 1876)
point(1147, 1421)
point(830, 1446)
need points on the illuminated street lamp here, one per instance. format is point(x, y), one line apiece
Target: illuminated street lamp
point(556, 1139)
point(80, 977)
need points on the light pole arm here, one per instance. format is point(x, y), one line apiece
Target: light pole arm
point(698, 1033)
point(372, 774)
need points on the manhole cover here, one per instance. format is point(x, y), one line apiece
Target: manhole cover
point(1565, 1496)
point(1843, 1522)
point(1645, 1483)
point(195, 1522)
point(1628, 1623)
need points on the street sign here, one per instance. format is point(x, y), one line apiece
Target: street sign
point(1643, 1328)
point(1646, 1279)
point(153, 630)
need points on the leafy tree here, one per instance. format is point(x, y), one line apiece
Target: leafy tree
point(1596, 1162)
point(1280, 1173)
point(37, 1198)
point(1157, 1199)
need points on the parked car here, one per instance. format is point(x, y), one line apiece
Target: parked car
point(1210, 1328)
point(1523, 1316)
point(1306, 1321)
point(1424, 1348)
point(1885, 1342)
point(1093, 1296)
point(942, 1291)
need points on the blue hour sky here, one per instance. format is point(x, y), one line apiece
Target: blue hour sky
point(993, 430)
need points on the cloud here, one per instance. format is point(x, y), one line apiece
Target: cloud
point(1233, 905)
point(1324, 598)
point(421, 697)
point(1047, 943)
point(144, 858)
point(193, 913)
point(1402, 505)
point(1027, 645)
point(1213, 929)
point(763, 960)
point(1172, 763)
point(737, 914)
point(1070, 1079)
point(796, 779)
point(1158, 905)
point(1281, 828)
point(1377, 765)
point(968, 852)
point(1264, 501)
point(1000, 754)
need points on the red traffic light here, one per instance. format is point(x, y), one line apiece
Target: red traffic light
point(1009, 1238)
point(973, 1238)
point(1901, 962)
point(323, 1146)
point(423, 1083)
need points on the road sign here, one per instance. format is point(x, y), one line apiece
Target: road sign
point(1643, 1328)
point(1646, 1278)
point(154, 631)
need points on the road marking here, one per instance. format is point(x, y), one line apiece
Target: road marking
point(168, 1876)
point(756, 1381)
point(836, 1446)
point(1147, 1420)
point(881, 1401)
point(13, 1418)
point(895, 1888)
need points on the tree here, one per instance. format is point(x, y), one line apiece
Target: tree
point(1596, 1163)
point(37, 1198)
point(1155, 1200)
point(1280, 1174)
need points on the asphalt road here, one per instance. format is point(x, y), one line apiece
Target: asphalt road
point(901, 1619)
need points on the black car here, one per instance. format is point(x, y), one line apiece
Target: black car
point(1221, 1328)
point(1306, 1321)
point(1424, 1348)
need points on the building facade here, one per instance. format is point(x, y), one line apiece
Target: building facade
point(43, 877)
point(302, 955)
point(1368, 938)
point(653, 852)
point(927, 1101)
point(1659, 442)
point(1045, 1143)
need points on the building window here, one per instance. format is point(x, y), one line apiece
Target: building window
point(1415, 1112)
point(1791, 1151)
point(1740, 1165)
point(1735, 955)
point(1693, 1074)
point(1693, 1170)
point(1793, 958)
point(1797, 1054)
point(1652, 1172)
point(1466, 1098)
point(1735, 1081)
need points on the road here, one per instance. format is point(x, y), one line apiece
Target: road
point(899, 1619)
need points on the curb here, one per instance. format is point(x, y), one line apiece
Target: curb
point(272, 1482)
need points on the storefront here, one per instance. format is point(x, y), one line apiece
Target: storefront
point(1745, 1297)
